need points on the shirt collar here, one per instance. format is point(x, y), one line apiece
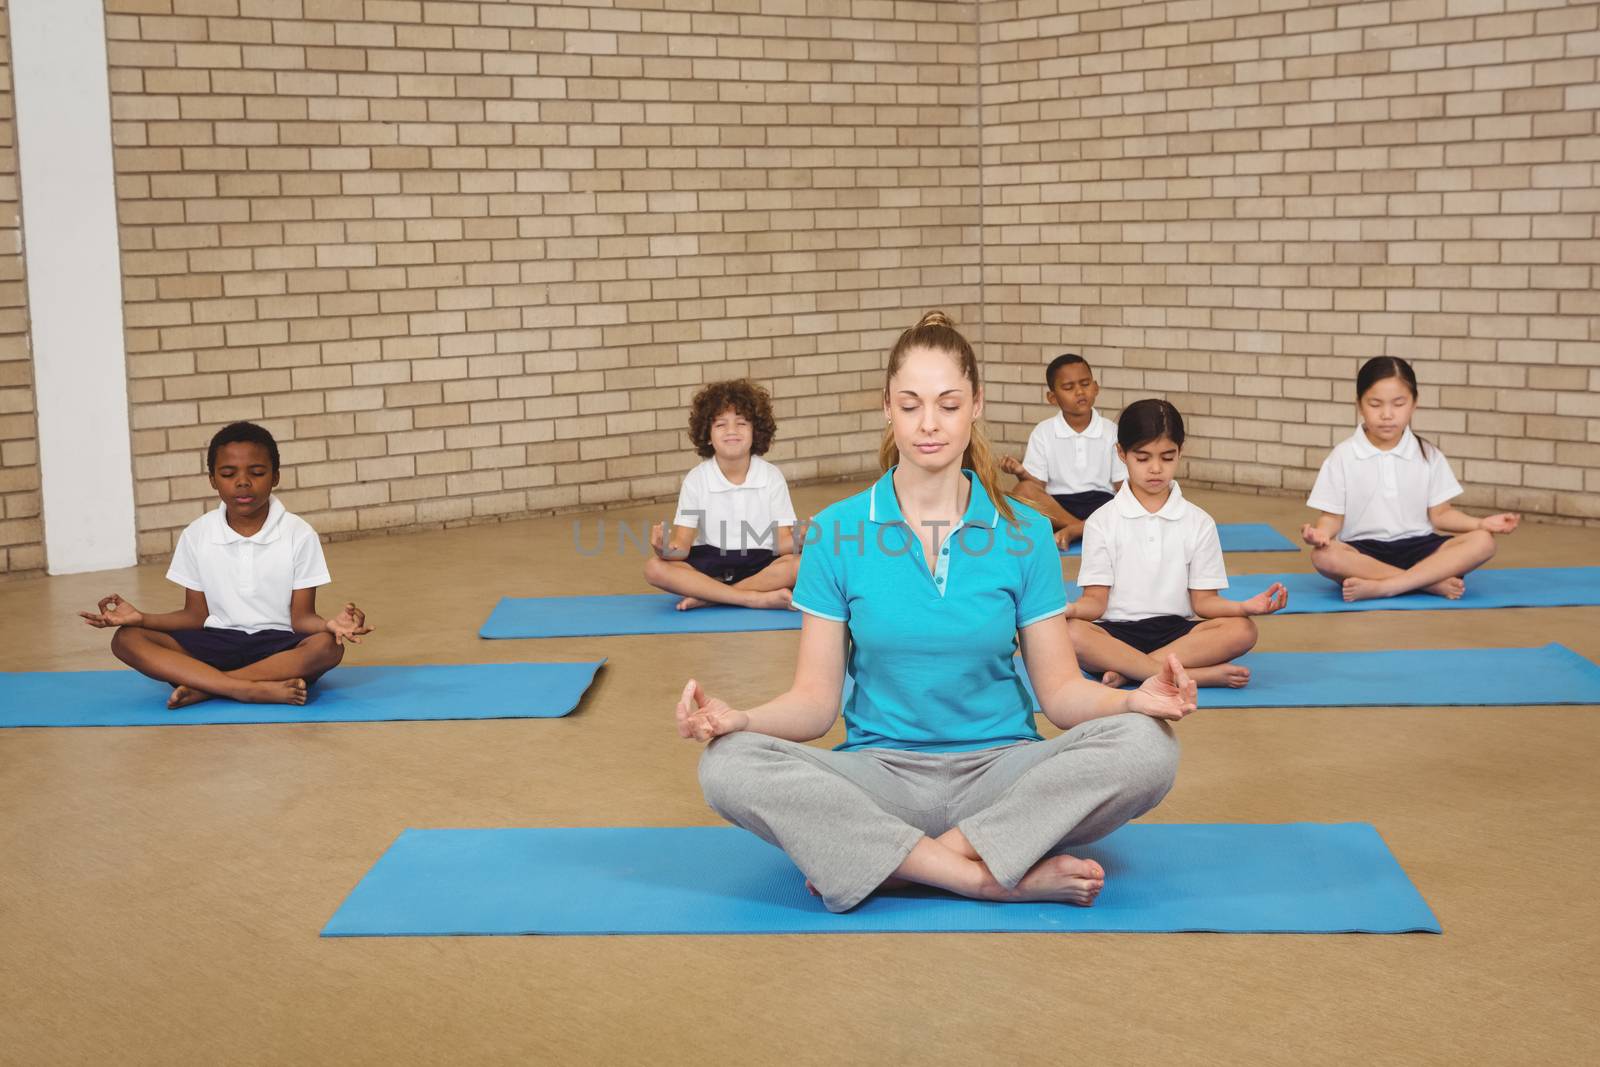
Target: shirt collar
point(884, 507)
point(1128, 505)
point(1406, 449)
point(1095, 429)
point(223, 534)
point(754, 478)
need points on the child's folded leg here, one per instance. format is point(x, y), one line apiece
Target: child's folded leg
point(159, 655)
point(675, 576)
point(1208, 650)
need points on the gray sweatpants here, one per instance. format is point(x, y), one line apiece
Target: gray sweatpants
point(849, 819)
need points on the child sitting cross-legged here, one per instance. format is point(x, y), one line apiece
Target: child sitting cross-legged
point(249, 628)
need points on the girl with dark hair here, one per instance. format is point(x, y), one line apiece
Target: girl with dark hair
point(1152, 565)
point(1383, 493)
point(918, 590)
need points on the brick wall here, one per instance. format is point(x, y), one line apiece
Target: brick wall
point(472, 259)
point(1232, 203)
point(21, 534)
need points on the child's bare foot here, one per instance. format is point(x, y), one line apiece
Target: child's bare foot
point(1230, 675)
point(1113, 679)
point(183, 696)
point(288, 691)
point(1450, 588)
point(1364, 589)
point(776, 600)
point(1065, 879)
point(689, 603)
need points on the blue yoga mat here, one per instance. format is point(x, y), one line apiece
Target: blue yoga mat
point(1482, 677)
point(634, 613)
point(1510, 587)
point(1287, 878)
point(1236, 537)
point(345, 694)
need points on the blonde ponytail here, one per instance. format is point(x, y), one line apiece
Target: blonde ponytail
point(936, 331)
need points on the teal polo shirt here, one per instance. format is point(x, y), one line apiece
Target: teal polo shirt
point(931, 652)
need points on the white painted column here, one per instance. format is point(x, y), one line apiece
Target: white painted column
point(74, 271)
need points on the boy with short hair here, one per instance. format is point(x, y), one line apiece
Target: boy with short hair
point(1071, 467)
point(249, 628)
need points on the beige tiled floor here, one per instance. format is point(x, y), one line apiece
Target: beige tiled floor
point(161, 889)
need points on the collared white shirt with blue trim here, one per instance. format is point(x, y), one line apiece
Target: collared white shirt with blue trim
point(932, 650)
point(1383, 495)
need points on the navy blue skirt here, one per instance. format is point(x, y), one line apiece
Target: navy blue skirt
point(1405, 553)
point(1147, 635)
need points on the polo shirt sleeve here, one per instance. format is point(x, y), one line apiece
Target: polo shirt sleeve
point(691, 502)
point(185, 568)
point(1119, 469)
point(310, 567)
point(1041, 592)
point(819, 587)
point(1328, 494)
point(778, 502)
point(1206, 569)
point(1098, 566)
point(1442, 484)
point(1036, 460)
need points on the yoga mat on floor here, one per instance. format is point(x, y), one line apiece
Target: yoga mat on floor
point(1236, 537)
point(1285, 878)
point(633, 613)
point(345, 694)
point(1511, 587)
point(1482, 677)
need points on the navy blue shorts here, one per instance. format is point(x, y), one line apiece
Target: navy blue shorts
point(228, 650)
point(1081, 505)
point(1404, 553)
point(730, 566)
point(1147, 635)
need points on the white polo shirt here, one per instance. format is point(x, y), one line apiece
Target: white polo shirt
point(1151, 561)
point(1071, 462)
point(247, 581)
point(735, 517)
point(1383, 496)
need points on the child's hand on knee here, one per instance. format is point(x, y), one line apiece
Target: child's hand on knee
point(702, 718)
point(1273, 598)
point(1503, 523)
point(1012, 466)
point(114, 611)
point(1313, 536)
point(349, 625)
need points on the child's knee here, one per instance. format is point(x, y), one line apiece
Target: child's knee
point(329, 652)
point(1483, 542)
point(1244, 633)
point(655, 570)
point(124, 641)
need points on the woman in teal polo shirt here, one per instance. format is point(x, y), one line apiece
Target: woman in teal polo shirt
point(921, 586)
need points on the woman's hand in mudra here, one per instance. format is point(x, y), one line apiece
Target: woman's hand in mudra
point(1172, 694)
point(701, 718)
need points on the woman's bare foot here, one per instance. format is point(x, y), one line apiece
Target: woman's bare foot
point(689, 603)
point(183, 696)
point(1065, 879)
point(1229, 675)
point(1450, 588)
point(1113, 679)
point(288, 691)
